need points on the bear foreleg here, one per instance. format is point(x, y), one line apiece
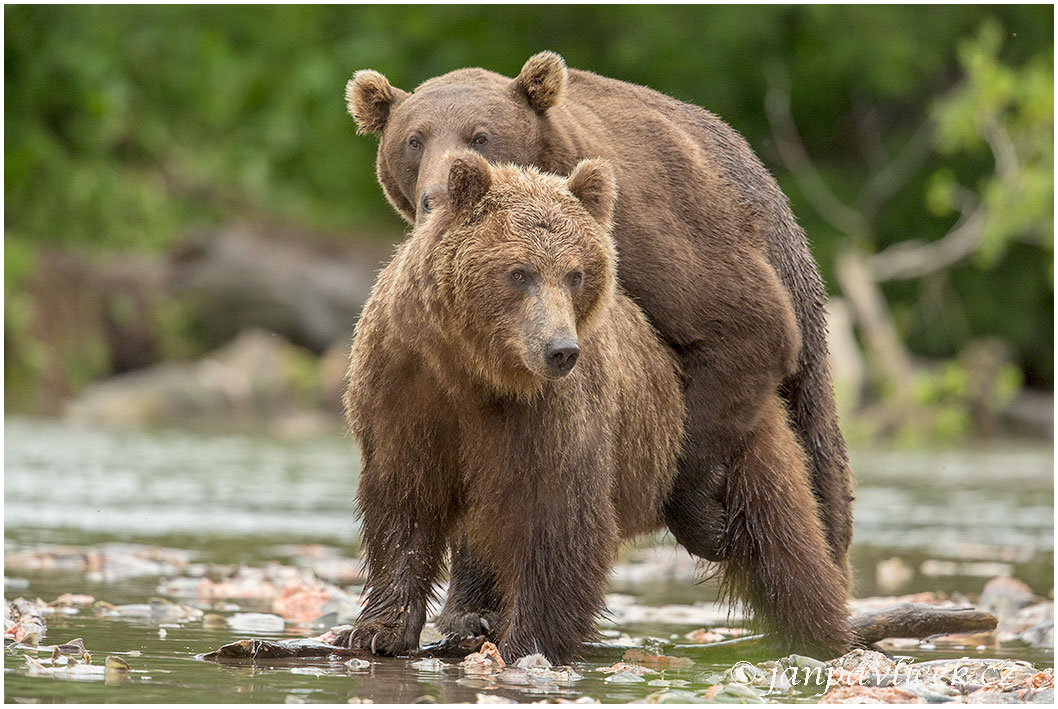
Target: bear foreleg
point(405, 527)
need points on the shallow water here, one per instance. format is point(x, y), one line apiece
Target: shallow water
point(955, 518)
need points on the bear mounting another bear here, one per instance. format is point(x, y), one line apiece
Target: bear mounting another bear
point(510, 401)
point(711, 253)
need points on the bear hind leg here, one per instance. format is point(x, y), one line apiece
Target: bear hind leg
point(777, 558)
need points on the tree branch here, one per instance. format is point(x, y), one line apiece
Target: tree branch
point(907, 260)
point(891, 178)
point(792, 150)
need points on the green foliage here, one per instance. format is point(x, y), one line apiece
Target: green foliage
point(1011, 110)
point(126, 127)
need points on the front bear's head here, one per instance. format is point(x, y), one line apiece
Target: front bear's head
point(524, 266)
point(499, 118)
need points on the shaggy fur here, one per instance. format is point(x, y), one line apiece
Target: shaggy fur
point(711, 252)
point(469, 438)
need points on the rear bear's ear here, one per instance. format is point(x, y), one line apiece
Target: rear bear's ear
point(469, 179)
point(542, 81)
point(370, 99)
point(593, 182)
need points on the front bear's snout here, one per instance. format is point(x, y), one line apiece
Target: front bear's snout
point(562, 354)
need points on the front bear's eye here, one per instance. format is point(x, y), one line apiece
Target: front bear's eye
point(518, 275)
point(480, 139)
point(415, 143)
point(575, 279)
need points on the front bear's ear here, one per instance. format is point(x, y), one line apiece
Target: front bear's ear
point(370, 98)
point(542, 81)
point(469, 179)
point(593, 183)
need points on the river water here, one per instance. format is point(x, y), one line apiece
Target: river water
point(944, 520)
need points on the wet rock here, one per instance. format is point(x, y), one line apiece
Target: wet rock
point(73, 599)
point(804, 662)
point(578, 700)
point(859, 666)
point(662, 662)
point(15, 584)
point(157, 610)
point(302, 602)
point(73, 648)
point(532, 662)
point(667, 683)
point(676, 696)
point(256, 623)
point(624, 678)
point(1031, 624)
point(485, 661)
point(619, 667)
point(257, 376)
point(1041, 635)
point(651, 564)
point(933, 692)
point(746, 673)
point(732, 694)
point(307, 286)
point(870, 695)
point(995, 696)
point(1003, 596)
point(625, 610)
point(704, 636)
point(984, 569)
point(893, 574)
point(514, 676)
point(70, 670)
point(214, 621)
point(24, 621)
point(115, 663)
point(430, 664)
point(877, 603)
point(109, 563)
point(357, 664)
point(493, 699)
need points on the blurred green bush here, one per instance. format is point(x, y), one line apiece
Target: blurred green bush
point(126, 127)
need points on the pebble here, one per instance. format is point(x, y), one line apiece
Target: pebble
point(256, 623)
point(430, 664)
point(624, 678)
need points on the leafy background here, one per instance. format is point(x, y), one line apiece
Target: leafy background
point(129, 128)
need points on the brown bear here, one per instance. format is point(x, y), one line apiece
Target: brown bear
point(509, 399)
point(712, 254)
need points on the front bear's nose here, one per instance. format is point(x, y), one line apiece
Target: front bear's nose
point(562, 354)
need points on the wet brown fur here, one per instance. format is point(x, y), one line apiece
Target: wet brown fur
point(712, 254)
point(536, 479)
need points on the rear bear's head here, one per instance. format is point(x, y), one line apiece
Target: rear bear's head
point(499, 118)
point(523, 264)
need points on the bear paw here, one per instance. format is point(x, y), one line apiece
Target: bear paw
point(379, 638)
point(468, 624)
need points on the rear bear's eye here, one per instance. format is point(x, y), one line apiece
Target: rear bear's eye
point(575, 279)
point(414, 143)
point(518, 275)
point(480, 139)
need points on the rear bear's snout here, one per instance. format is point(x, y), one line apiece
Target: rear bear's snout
point(562, 354)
